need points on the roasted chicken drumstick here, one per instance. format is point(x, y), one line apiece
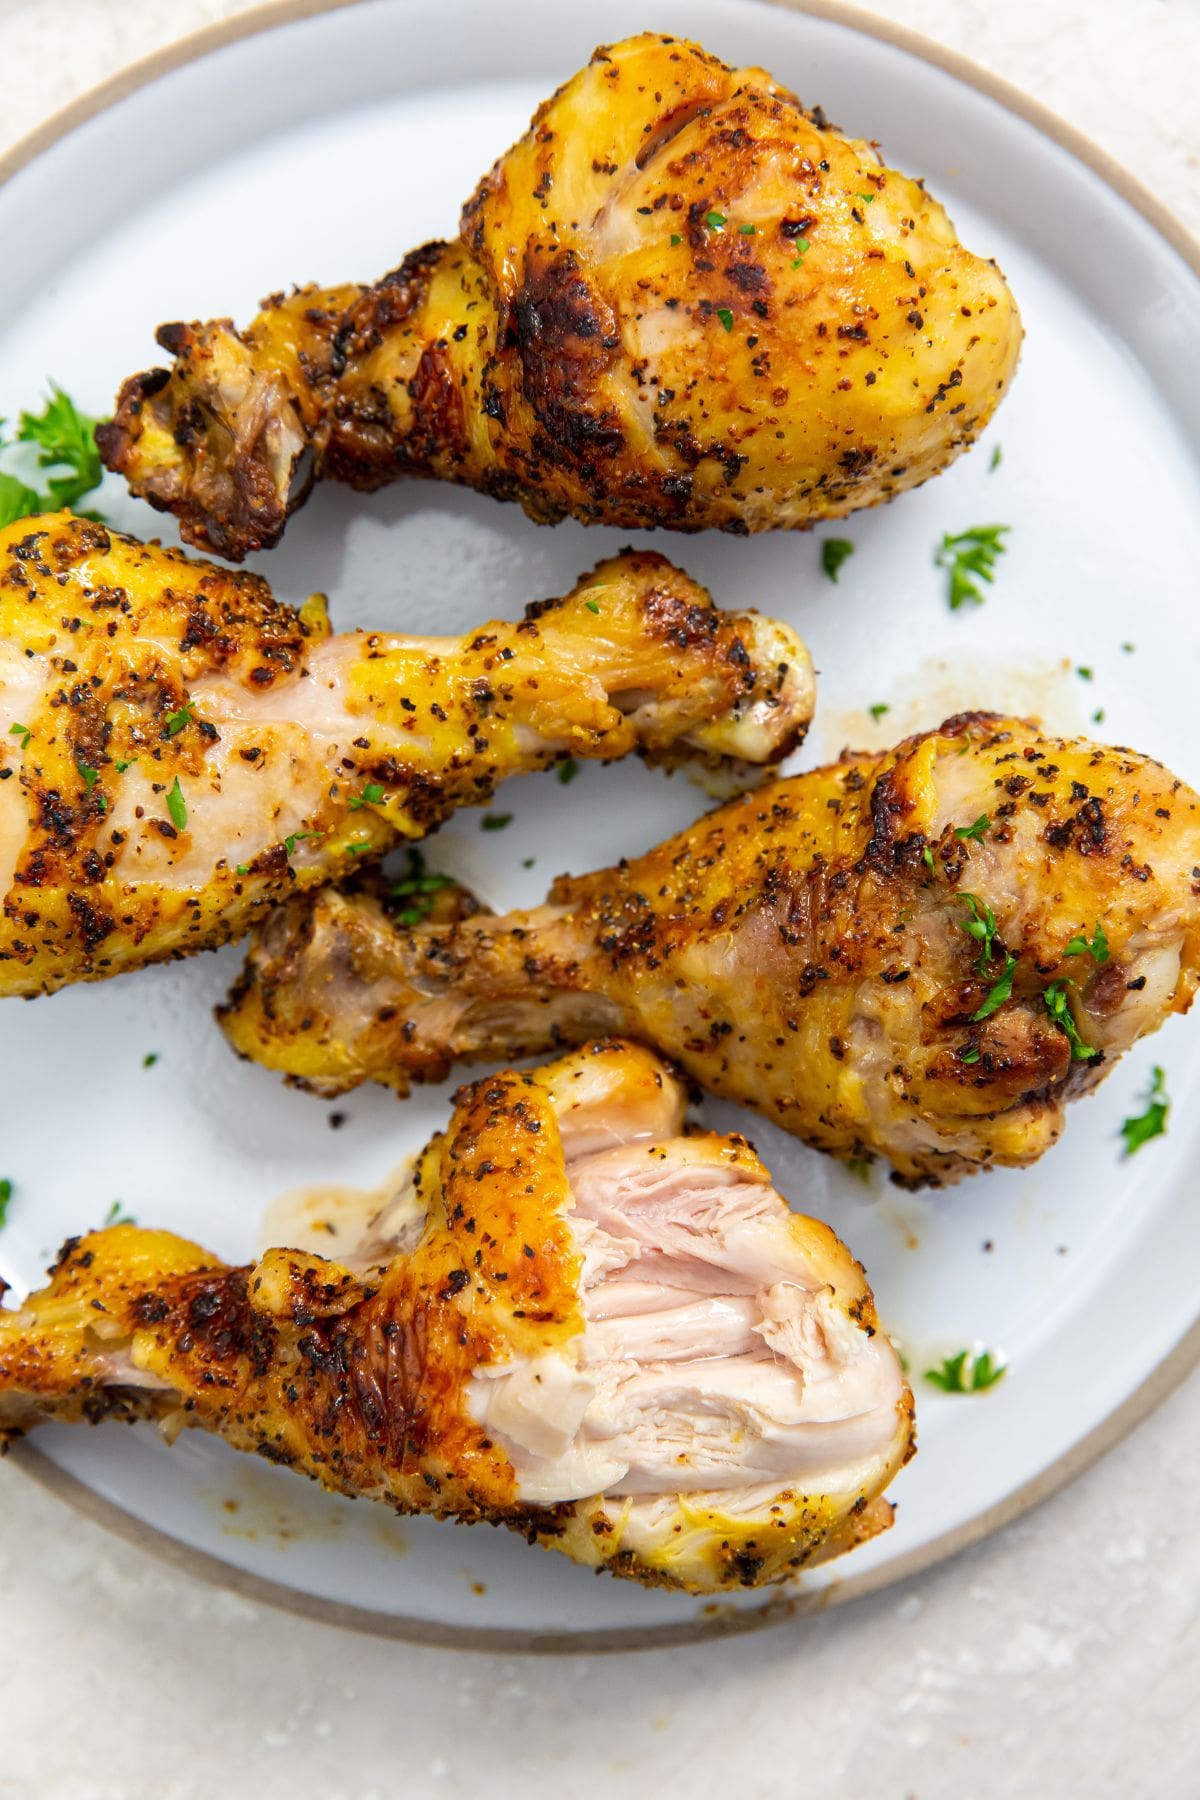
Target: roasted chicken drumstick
point(576, 1322)
point(679, 300)
point(179, 750)
point(920, 955)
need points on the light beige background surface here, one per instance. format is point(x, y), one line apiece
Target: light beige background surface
point(1058, 1660)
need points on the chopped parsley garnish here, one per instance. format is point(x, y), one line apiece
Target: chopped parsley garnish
point(997, 459)
point(1059, 1008)
point(21, 731)
point(417, 889)
point(1129, 648)
point(528, 862)
point(150, 1058)
point(122, 764)
point(6, 1190)
point(975, 831)
point(243, 868)
point(981, 925)
point(593, 606)
point(90, 776)
point(1096, 947)
point(1098, 716)
point(357, 848)
point(969, 555)
point(1153, 1122)
point(877, 711)
point(117, 1216)
point(999, 993)
point(297, 837)
point(801, 246)
point(927, 857)
point(371, 795)
point(747, 230)
point(716, 221)
point(64, 440)
point(726, 317)
point(967, 1373)
point(867, 197)
point(495, 821)
point(675, 238)
point(860, 1167)
point(834, 552)
point(969, 1055)
point(1085, 674)
point(568, 770)
point(177, 806)
point(177, 720)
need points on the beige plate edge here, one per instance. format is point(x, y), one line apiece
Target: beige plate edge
point(727, 1621)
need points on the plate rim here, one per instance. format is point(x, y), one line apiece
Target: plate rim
point(723, 1621)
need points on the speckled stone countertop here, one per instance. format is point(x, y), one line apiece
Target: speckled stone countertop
point(1060, 1658)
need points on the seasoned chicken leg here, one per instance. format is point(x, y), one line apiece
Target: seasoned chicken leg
point(679, 300)
point(897, 955)
point(576, 1322)
point(179, 750)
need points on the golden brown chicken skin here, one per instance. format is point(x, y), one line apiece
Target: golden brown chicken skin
point(896, 955)
point(679, 300)
point(179, 750)
point(575, 1321)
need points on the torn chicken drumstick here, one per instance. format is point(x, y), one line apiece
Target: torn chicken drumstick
point(896, 955)
point(179, 750)
point(576, 1322)
point(679, 300)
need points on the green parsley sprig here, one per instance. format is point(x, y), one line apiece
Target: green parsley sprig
point(417, 888)
point(1059, 1008)
point(970, 1372)
point(1096, 947)
point(63, 441)
point(834, 552)
point(1153, 1122)
point(970, 557)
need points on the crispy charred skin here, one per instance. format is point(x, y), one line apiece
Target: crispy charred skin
point(805, 951)
point(679, 300)
point(360, 1378)
point(179, 751)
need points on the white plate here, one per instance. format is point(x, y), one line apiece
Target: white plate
point(324, 149)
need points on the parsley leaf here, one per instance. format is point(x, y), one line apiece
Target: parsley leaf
point(417, 888)
point(371, 795)
point(1097, 948)
point(1153, 1122)
point(1084, 673)
point(1059, 1008)
point(90, 777)
point(997, 459)
point(927, 858)
point(675, 238)
point(243, 868)
point(495, 821)
point(63, 439)
point(117, 1216)
point(860, 1167)
point(968, 1055)
point(801, 246)
point(150, 1058)
point(975, 831)
point(968, 1372)
point(877, 711)
point(23, 732)
point(297, 837)
point(568, 770)
point(6, 1191)
point(177, 720)
point(981, 925)
point(1000, 992)
point(716, 221)
point(967, 555)
point(726, 317)
point(747, 230)
point(593, 606)
point(177, 806)
point(834, 552)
